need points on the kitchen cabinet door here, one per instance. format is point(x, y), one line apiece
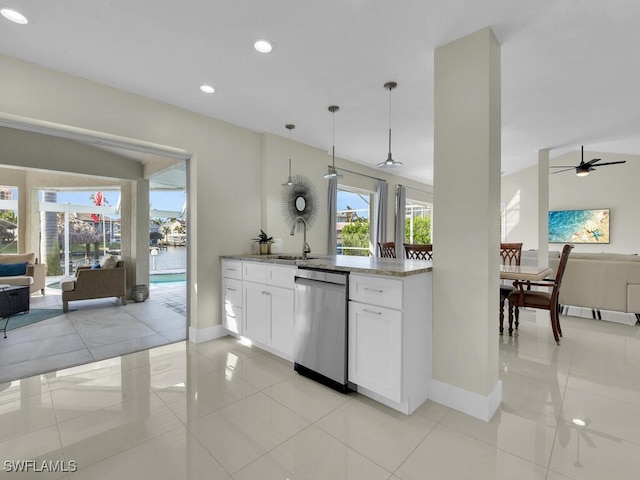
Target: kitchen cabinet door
point(255, 311)
point(375, 349)
point(281, 320)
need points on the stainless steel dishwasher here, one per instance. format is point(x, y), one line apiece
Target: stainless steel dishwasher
point(320, 328)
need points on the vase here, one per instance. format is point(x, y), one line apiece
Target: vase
point(264, 248)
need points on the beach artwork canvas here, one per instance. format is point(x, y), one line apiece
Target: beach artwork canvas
point(579, 226)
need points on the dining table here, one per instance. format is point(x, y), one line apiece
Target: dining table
point(524, 273)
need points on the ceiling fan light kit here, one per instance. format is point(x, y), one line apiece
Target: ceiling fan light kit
point(583, 168)
point(390, 162)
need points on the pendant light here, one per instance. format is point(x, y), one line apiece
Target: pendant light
point(333, 173)
point(289, 182)
point(390, 162)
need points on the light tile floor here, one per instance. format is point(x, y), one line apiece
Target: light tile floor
point(223, 410)
point(93, 330)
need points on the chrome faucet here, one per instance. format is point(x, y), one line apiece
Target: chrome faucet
point(306, 249)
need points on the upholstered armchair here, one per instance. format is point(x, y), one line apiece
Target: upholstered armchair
point(35, 275)
point(90, 283)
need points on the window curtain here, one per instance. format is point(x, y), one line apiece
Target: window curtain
point(333, 211)
point(401, 206)
point(380, 215)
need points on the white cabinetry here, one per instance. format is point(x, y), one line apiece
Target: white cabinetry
point(255, 311)
point(232, 296)
point(268, 306)
point(390, 338)
point(375, 349)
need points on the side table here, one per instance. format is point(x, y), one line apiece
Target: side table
point(13, 300)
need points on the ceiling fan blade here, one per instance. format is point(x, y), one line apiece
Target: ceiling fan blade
point(611, 163)
point(565, 170)
point(591, 162)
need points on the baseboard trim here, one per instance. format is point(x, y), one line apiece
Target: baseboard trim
point(199, 335)
point(474, 404)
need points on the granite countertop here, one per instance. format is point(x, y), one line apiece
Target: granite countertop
point(369, 265)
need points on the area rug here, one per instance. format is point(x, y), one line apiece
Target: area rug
point(34, 315)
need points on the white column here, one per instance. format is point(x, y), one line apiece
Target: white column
point(467, 217)
point(134, 218)
point(543, 207)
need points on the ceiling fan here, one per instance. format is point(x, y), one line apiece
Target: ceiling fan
point(583, 169)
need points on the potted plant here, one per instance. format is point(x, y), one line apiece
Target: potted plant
point(264, 241)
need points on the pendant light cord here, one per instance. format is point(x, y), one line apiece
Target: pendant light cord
point(391, 88)
point(333, 139)
point(290, 151)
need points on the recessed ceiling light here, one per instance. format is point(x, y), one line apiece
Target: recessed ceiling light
point(207, 88)
point(14, 16)
point(579, 422)
point(263, 46)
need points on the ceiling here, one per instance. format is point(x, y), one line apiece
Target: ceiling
point(570, 73)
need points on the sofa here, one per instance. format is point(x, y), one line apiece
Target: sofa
point(89, 283)
point(604, 285)
point(34, 276)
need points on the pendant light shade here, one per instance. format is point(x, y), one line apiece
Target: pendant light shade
point(390, 162)
point(332, 172)
point(289, 181)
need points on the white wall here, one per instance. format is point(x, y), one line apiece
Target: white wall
point(614, 187)
point(234, 175)
point(224, 171)
point(312, 163)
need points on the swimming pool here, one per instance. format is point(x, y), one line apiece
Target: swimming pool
point(167, 277)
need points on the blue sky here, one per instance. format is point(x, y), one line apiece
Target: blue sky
point(354, 201)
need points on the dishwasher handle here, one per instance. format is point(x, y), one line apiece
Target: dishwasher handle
point(339, 278)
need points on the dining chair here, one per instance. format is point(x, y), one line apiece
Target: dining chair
point(387, 249)
point(510, 253)
point(418, 252)
point(522, 297)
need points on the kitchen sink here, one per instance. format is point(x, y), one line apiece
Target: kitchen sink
point(292, 257)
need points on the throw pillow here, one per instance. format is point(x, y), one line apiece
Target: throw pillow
point(95, 266)
point(109, 262)
point(12, 269)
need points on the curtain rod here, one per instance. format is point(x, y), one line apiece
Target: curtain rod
point(418, 189)
point(361, 174)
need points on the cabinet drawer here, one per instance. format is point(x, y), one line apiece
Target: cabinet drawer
point(376, 291)
point(232, 291)
point(281, 276)
point(254, 272)
point(232, 318)
point(231, 269)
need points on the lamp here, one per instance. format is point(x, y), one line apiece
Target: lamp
point(289, 181)
point(390, 162)
point(582, 171)
point(333, 173)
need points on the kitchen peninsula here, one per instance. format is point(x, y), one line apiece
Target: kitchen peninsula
point(389, 317)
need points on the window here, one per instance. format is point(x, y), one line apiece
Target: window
point(8, 219)
point(78, 227)
point(353, 228)
point(417, 223)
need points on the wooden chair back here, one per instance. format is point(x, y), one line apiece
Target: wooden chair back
point(387, 249)
point(562, 266)
point(511, 253)
point(418, 252)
